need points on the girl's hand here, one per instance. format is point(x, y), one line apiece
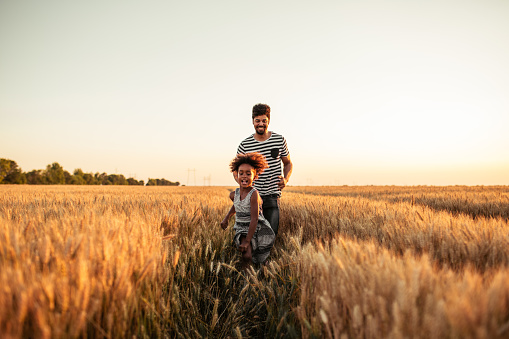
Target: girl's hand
point(244, 246)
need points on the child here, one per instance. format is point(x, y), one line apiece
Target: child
point(253, 235)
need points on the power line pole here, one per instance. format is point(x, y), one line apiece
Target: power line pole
point(206, 179)
point(189, 170)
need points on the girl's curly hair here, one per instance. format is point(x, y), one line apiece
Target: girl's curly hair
point(255, 159)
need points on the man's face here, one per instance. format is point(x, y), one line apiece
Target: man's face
point(261, 123)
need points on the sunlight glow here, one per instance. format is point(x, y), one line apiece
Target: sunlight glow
point(415, 90)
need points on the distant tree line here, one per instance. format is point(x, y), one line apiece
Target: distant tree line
point(54, 174)
point(161, 182)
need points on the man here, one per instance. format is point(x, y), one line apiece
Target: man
point(273, 146)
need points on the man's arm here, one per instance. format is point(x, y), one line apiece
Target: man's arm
point(287, 172)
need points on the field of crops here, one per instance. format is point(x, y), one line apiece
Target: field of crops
point(349, 262)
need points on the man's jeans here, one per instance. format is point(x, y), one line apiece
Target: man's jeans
point(271, 210)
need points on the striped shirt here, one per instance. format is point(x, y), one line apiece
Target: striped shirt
point(272, 149)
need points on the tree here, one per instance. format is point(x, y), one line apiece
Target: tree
point(67, 178)
point(10, 173)
point(151, 182)
point(55, 174)
point(5, 169)
point(36, 177)
point(161, 182)
point(132, 181)
point(114, 179)
point(100, 178)
point(16, 177)
point(90, 179)
point(77, 177)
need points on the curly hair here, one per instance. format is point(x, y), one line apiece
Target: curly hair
point(261, 109)
point(255, 159)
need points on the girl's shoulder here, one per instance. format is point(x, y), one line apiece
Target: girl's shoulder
point(253, 191)
point(254, 194)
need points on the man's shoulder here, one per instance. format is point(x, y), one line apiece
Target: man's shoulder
point(246, 143)
point(249, 138)
point(277, 135)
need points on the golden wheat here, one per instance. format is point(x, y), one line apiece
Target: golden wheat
point(349, 262)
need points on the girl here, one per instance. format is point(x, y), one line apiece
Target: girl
point(253, 235)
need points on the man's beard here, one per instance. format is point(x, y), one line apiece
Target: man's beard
point(261, 131)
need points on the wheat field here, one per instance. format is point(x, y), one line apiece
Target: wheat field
point(349, 262)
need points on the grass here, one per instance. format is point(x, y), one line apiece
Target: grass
point(349, 262)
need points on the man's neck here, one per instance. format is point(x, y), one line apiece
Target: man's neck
point(262, 137)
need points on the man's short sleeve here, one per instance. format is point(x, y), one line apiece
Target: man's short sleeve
point(284, 148)
point(240, 149)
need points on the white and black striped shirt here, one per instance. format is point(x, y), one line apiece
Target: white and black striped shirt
point(272, 149)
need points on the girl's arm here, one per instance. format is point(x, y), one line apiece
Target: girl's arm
point(254, 221)
point(224, 223)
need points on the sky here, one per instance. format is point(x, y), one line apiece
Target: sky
point(365, 92)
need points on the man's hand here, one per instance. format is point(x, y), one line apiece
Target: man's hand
point(224, 224)
point(282, 183)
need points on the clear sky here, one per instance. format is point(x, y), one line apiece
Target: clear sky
point(365, 92)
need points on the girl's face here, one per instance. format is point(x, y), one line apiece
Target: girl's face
point(246, 174)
